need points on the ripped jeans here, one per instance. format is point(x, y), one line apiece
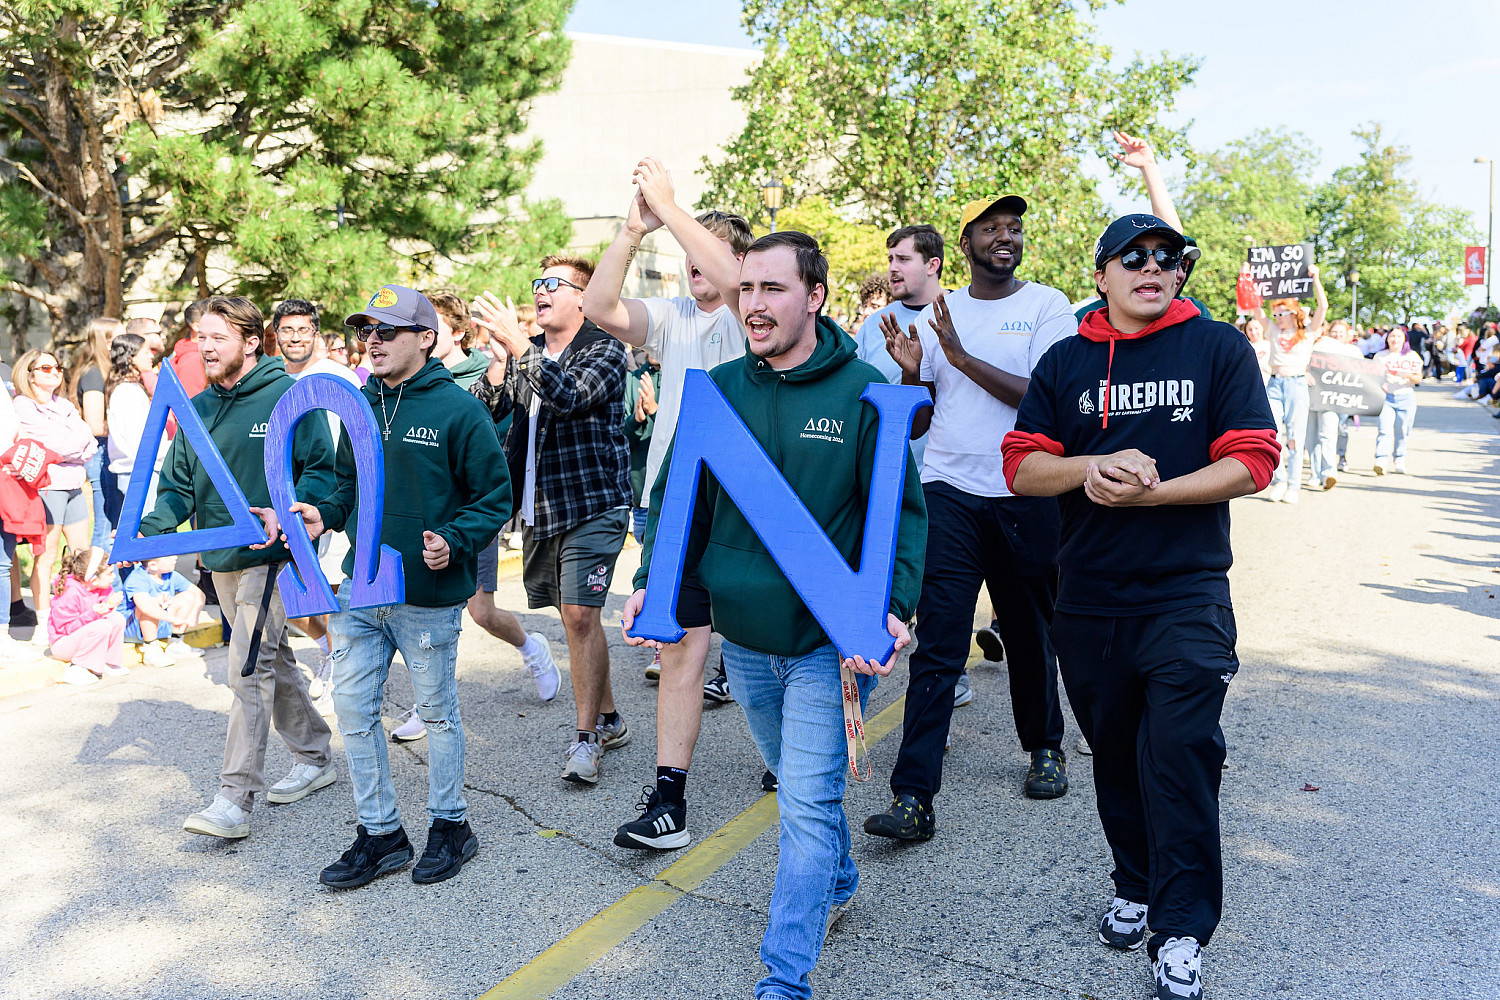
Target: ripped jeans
point(364, 641)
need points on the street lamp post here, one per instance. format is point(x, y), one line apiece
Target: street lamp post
point(770, 194)
point(1354, 308)
point(1490, 239)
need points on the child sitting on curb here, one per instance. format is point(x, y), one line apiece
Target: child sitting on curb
point(161, 602)
point(83, 626)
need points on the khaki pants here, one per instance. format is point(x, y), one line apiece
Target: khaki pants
point(275, 692)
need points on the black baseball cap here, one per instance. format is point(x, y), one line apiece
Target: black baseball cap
point(1127, 229)
point(398, 306)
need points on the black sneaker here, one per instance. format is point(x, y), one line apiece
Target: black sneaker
point(1123, 925)
point(906, 819)
point(769, 782)
point(716, 690)
point(449, 845)
point(369, 858)
point(20, 615)
point(662, 826)
point(1048, 777)
point(990, 644)
point(1179, 970)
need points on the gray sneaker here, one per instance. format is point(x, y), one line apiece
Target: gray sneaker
point(612, 737)
point(301, 781)
point(221, 819)
point(583, 763)
point(962, 692)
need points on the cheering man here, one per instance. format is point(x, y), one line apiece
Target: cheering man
point(244, 386)
point(698, 331)
point(437, 437)
point(1147, 425)
point(974, 350)
point(782, 669)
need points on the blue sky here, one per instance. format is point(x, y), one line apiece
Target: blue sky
point(1428, 72)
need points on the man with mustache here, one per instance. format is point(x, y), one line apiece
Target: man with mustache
point(1145, 426)
point(974, 349)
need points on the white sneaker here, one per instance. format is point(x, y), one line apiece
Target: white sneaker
point(154, 654)
point(963, 692)
point(301, 781)
point(1179, 970)
point(322, 679)
point(75, 674)
point(1123, 925)
point(115, 670)
point(179, 648)
point(543, 669)
point(1292, 496)
point(582, 767)
point(515, 542)
point(1278, 490)
point(12, 651)
point(1400, 469)
point(411, 728)
point(221, 819)
point(1084, 748)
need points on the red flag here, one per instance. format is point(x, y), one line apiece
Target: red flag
point(1474, 265)
point(1245, 296)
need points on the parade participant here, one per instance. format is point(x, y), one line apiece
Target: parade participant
point(1403, 371)
point(1145, 426)
point(569, 458)
point(973, 349)
point(244, 386)
point(1255, 333)
point(434, 434)
point(1328, 430)
point(782, 669)
point(696, 331)
point(1291, 341)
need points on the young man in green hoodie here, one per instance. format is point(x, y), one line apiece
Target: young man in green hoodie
point(439, 438)
point(243, 387)
point(801, 372)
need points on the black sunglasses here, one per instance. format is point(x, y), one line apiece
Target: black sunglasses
point(1135, 258)
point(551, 284)
point(363, 333)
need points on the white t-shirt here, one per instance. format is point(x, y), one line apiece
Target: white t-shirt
point(1485, 352)
point(528, 488)
point(1263, 358)
point(870, 342)
point(1288, 355)
point(1399, 369)
point(324, 366)
point(682, 336)
point(126, 417)
point(968, 424)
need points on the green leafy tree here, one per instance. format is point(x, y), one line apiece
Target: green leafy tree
point(853, 250)
point(1371, 219)
point(310, 147)
point(1254, 192)
point(899, 111)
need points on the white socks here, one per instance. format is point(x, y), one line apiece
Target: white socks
point(531, 649)
point(323, 644)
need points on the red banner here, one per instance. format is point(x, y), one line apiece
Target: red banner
point(1245, 296)
point(1474, 265)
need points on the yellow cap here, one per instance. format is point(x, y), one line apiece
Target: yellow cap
point(1012, 203)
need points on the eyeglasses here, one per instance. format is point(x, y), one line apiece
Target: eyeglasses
point(1280, 314)
point(551, 284)
point(385, 330)
point(296, 331)
point(44, 368)
point(1135, 258)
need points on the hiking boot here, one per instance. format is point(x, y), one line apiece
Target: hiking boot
point(1048, 777)
point(449, 845)
point(906, 819)
point(368, 858)
point(662, 825)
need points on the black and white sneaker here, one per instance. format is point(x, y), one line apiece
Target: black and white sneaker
point(662, 826)
point(769, 782)
point(988, 640)
point(1179, 970)
point(716, 690)
point(1123, 925)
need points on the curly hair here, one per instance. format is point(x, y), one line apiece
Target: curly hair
point(75, 565)
point(1298, 311)
point(122, 352)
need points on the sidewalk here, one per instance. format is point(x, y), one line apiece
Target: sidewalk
point(1367, 623)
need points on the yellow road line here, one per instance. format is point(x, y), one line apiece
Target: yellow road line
point(558, 965)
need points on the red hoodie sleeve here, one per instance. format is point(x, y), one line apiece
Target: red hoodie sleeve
point(1017, 445)
point(1257, 450)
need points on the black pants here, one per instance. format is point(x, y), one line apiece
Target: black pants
point(1009, 544)
point(1147, 692)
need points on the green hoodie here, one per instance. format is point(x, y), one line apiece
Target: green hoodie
point(468, 371)
point(236, 420)
point(444, 473)
point(752, 604)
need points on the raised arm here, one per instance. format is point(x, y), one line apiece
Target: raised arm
point(625, 319)
point(1137, 153)
point(709, 253)
point(1315, 325)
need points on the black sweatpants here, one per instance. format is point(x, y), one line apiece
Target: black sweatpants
point(1009, 544)
point(1147, 692)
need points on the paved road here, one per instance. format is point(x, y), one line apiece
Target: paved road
point(1367, 620)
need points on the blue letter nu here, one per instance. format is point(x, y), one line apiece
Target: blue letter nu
point(850, 606)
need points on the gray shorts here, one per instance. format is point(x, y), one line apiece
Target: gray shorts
point(575, 567)
point(66, 507)
point(489, 566)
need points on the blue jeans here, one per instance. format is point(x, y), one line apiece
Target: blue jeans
point(1396, 419)
point(7, 557)
point(1288, 396)
point(795, 709)
point(102, 527)
point(363, 642)
point(1329, 433)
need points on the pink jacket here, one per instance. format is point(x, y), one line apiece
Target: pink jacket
point(73, 609)
point(58, 426)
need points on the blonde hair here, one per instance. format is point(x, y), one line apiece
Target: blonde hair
point(92, 353)
point(583, 268)
point(21, 373)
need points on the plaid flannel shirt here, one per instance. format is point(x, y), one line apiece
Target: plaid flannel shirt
point(582, 456)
